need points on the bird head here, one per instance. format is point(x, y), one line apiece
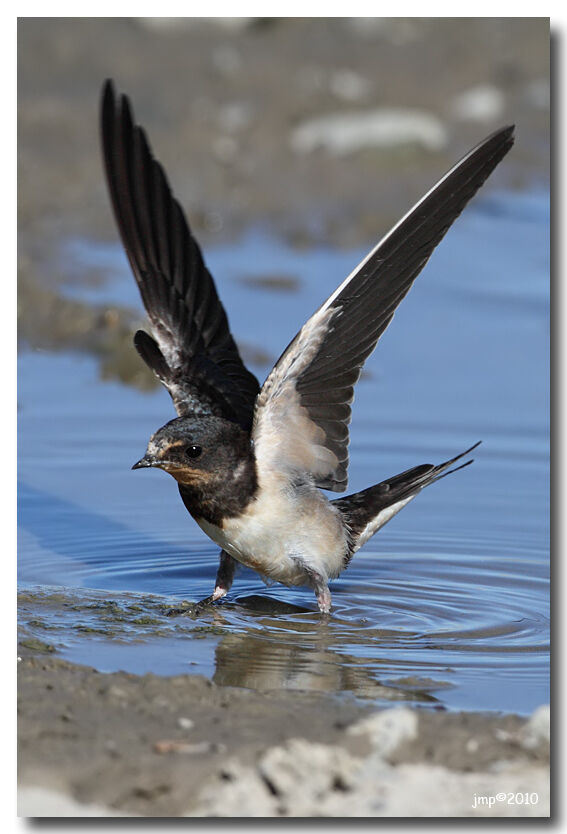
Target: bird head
point(197, 450)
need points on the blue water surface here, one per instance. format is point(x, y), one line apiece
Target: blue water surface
point(448, 605)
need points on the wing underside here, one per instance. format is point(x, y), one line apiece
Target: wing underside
point(304, 409)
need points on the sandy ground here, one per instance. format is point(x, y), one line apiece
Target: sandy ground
point(235, 113)
point(94, 744)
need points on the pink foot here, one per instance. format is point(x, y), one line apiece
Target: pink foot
point(225, 575)
point(324, 601)
point(218, 593)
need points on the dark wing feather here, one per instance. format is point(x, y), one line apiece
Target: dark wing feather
point(192, 352)
point(312, 385)
point(364, 513)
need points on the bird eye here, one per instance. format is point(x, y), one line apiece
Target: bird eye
point(193, 451)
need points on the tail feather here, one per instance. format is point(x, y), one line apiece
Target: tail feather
point(366, 512)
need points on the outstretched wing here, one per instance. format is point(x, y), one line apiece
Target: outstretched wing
point(192, 351)
point(303, 411)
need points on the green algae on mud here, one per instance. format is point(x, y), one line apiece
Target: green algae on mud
point(241, 639)
point(72, 610)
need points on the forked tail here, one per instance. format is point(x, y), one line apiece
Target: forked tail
point(366, 512)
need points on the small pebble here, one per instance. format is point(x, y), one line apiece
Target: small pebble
point(191, 749)
point(479, 104)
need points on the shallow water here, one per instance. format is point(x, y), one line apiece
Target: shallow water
point(447, 606)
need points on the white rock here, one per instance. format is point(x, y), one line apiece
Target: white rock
point(387, 729)
point(301, 767)
point(347, 132)
point(479, 104)
point(376, 789)
point(348, 85)
point(538, 729)
point(241, 793)
point(421, 790)
point(234, 117)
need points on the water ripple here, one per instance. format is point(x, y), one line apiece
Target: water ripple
point(448, 605)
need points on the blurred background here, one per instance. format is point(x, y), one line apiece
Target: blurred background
point(293, 145)
point(321, 130)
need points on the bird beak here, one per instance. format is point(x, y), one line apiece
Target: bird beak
point(147, 460)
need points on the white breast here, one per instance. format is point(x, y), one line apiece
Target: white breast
point(285, 536)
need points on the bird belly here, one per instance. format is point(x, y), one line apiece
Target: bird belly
point(284, 539)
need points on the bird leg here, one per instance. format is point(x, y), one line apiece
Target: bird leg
point(319, 583)
point(223, 582)
point(225, 575)
point(323, 599)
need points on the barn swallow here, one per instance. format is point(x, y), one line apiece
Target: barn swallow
point(251, 461)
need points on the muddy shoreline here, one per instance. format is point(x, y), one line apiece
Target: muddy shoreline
point(157, 746)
